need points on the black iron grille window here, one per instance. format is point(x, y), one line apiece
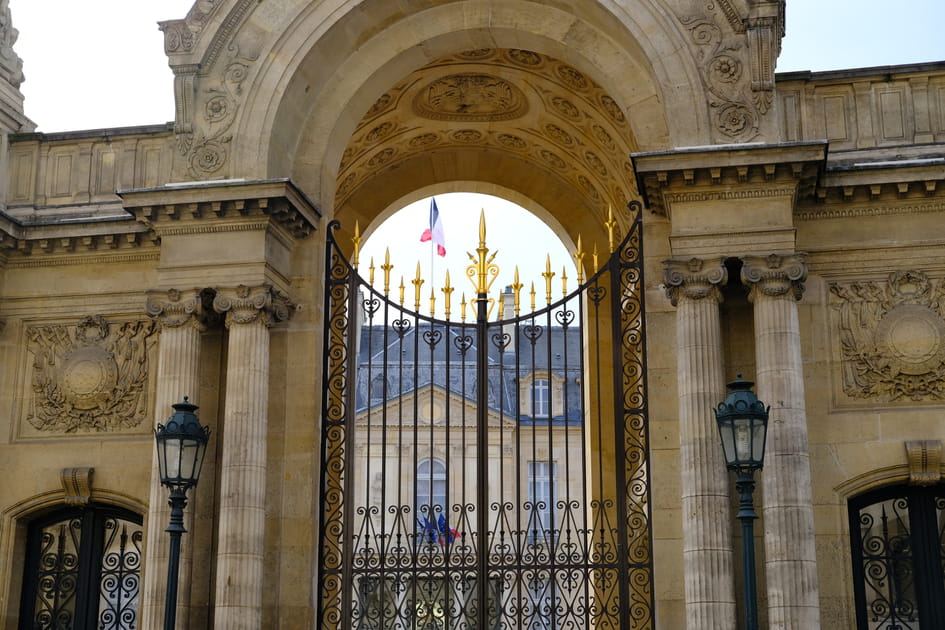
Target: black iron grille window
point(82, 571)
point(898, 538)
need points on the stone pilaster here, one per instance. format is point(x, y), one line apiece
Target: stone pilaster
point(182, 316)
point(250, 311)
point(776, 283)
point(693, 287)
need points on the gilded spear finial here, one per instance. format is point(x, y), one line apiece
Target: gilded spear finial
point(462, 308)
point(533, 296)
point(401, 291)
point(579, 259)
point(417, 282)
point(611, 226)
point(356, 240)
point(483, 272)
point(595, 258)
point(371, 272)
point(517, 289)
point(564, 281)
point(548, 274)
point(432, 302)
point(387, 267)
point(447, 291)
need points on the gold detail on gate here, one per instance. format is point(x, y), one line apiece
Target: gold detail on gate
point(447, 291)
point(517, 289)
point(483, 272)
point(548, 274)
point(356, 240)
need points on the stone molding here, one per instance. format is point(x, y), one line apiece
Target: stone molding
point(694, 279)
point(193, 208)
point(247, 305)
point(925, 462)
point(77, 485)
point(173, 308)
point(775, 275)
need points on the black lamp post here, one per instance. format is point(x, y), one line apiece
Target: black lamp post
point(743, 424)
point(181, 445)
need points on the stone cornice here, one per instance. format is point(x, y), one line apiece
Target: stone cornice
point(193, 206)
point(247, 305)
point(729, 171)
point(694, 278)
point(775, 275)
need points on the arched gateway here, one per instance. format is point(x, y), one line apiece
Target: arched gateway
point(574, 461)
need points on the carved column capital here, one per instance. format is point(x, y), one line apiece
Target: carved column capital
point(775, 275)
point(694, 278)
point(174, 308)
point(246, 305)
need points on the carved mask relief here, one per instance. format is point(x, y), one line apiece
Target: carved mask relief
point(892, 337)
point(90, 376)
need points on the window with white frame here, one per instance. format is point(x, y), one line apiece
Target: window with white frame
point(431, 488)
point(540, 397)
point(541, 497)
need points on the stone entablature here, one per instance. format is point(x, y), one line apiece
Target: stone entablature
point(60, 177)
point(865, 108)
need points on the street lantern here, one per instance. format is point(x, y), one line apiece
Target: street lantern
point(743, 426)
point(181, 445)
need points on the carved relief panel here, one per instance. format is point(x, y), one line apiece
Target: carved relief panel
point(891, 338)
point(89, 376)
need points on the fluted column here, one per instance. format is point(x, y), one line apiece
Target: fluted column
point(776, 283)
point(182, 317)
point(240, 551)
point(708, 562)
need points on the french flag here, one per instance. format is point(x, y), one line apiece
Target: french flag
point(435, 231)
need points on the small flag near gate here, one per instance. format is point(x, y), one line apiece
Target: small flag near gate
point(435, 231)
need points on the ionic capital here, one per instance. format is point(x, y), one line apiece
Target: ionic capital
point(247, 305)
point(775, 275)
point(694, 278)
point(173, 308)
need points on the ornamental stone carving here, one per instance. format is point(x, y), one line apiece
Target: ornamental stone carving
point(248, 305)
point(775, 275)
point(695, 279)
point(470, 97)
point(892, 337)
point(91, 376)
point(173, 308)
point(736, 115)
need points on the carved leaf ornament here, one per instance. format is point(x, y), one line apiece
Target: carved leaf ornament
point(892, 337)
point(92, 376)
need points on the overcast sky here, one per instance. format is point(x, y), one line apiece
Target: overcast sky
point(101, 63)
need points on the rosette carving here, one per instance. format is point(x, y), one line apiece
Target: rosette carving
point(735, 108)
point(775, 275)
point(694, 279)
point(892, 337)
point(173, 308)
point(247, 305)
point(91, 376)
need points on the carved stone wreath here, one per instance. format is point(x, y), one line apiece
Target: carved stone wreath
point(470, 97)
point(892, 337)
point(91, 376)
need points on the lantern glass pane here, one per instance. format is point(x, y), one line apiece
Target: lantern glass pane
point(173, 448)
point(728, 440)
point(743, 439)
point(758, 440)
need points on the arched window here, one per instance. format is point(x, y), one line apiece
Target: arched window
point(897, 536)
point(431, 488)
point(82, 570)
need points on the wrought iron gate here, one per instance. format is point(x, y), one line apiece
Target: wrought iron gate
point(490, 472)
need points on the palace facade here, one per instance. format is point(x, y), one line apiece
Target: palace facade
point(791, 230)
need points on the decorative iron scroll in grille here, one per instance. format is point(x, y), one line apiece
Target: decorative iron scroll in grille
point(490, 473)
